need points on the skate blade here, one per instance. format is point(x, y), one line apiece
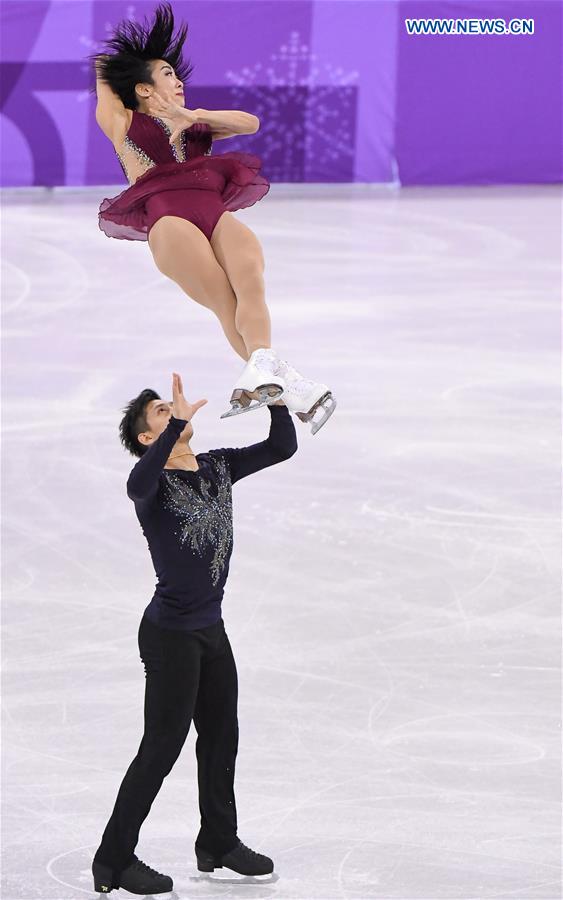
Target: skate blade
point(326, 403)
point(245, 401)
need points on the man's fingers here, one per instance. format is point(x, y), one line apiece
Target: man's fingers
point(178, 395)
point(198, 405)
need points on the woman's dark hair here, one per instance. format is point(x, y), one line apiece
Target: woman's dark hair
point(125, 62)
point(135, 421)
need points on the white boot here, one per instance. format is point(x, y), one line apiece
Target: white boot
point(305, 397)
point(257, 382)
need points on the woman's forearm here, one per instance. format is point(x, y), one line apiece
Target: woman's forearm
point(229, 120)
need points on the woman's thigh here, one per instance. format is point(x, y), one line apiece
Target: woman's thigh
point(237, 249)
point(182, 252)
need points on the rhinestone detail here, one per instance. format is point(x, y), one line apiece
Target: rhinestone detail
point(204, 520)
point(183, 141)
point(173, 146)
point(143, 158)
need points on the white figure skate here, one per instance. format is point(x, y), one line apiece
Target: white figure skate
point(258, 384)
point(305, 398)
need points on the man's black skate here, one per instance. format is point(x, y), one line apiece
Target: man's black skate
point(138, 878)
point(242, 860)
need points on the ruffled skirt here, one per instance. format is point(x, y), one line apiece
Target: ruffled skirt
point(233, 178)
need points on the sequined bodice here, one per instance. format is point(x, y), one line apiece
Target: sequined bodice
point(147, 144)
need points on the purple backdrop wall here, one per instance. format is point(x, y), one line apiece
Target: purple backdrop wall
point(342, 91)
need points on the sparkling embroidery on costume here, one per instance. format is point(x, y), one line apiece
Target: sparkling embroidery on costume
point(183, 139)
point(204, 520)
point(144, 160)
point(173, 147)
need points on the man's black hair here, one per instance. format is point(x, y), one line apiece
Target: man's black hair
point(135, 421)
point(125, 62)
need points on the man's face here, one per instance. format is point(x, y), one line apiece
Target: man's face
point(157, 414)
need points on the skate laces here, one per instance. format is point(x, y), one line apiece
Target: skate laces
point(294, 380)
point(247, 851)
point(265, 361)
point(295, 383)
point(301, 387)
point(139, 864)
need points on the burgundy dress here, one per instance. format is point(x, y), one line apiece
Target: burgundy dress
point(195, 186)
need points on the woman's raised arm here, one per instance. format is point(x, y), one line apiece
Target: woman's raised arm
point(111, 114)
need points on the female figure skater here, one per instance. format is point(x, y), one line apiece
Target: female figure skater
point(180, 201)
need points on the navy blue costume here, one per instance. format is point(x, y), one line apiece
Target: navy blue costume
point(187, 519)
point(190, 670)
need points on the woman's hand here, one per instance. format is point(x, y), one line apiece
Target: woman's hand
point(180, 117)
point(181, 409)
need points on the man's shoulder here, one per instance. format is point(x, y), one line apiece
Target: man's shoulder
point(216, 454)
point(218, 458)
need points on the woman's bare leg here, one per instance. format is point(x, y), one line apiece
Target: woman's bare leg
point(183, 253)
point(239, 254)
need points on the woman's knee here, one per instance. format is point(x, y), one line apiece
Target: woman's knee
point(252, 262)
point(248, 281)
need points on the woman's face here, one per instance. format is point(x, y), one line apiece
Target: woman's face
point(164, 82)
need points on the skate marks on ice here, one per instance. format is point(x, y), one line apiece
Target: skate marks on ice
point(392, 604)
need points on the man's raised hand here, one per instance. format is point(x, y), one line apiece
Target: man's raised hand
point(181, 409)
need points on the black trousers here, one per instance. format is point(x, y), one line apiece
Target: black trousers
point(188, 675)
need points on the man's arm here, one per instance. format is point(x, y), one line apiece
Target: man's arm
point(280, 444)
point(142, 483)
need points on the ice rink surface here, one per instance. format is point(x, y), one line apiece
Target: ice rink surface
point(393, 603)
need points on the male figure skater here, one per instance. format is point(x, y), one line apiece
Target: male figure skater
point(184, 505)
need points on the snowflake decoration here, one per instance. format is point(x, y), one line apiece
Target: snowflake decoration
point(309, 97)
